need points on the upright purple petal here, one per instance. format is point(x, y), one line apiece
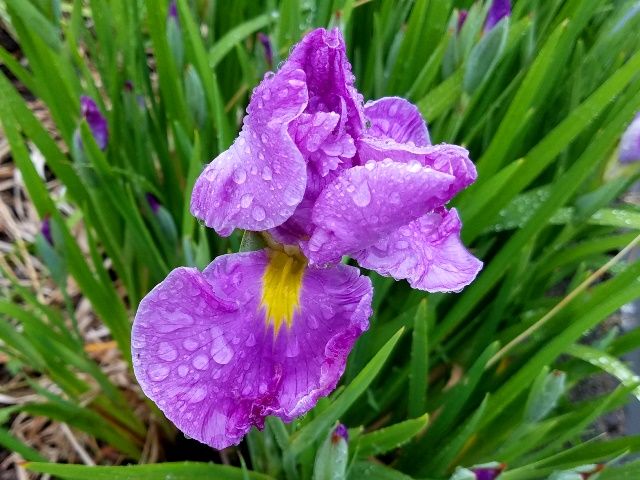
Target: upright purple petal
point(367, 203)
point(206, 353)
point(323, 57)
point(396, 119)
point(630, 142)
point(427, 252)
point(340, 432)
point(498, 10)
point(97, 123)
point(488, 473)
point(257, 183)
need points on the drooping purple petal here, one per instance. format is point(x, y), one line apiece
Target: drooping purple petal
point(397, 119)
point(630, 142)
point(450, 159)
point(205, 353)
point(427, 252)
point(96, 121)
point(257, 183)
point(153, 202)
point(498, 10)
point(366, 203)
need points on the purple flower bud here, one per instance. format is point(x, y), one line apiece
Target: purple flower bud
point(630, 143)
point(45, 230)
point(266, 44)
point(97, 123)
point(488, 473)
point(173, 11)
point(340, 432)
point(153, 202)
point(462, 17)
point(498, 10)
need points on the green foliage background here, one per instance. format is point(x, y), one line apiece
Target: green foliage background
point(439, 381)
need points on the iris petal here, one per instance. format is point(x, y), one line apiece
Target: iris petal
point(427, 252)
point(367, 203)
point(204, 351)
point(397, 119)
point(257, 183)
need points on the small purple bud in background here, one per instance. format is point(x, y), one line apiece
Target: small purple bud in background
point(153, 202)
point(498, 10)
point(173, 11)
point(97, 123)
point(128, 86)
point(266, 44)
point(488, 473)
point(630, 143)
point(462, 17)
point(340, 432)
point(45, 230)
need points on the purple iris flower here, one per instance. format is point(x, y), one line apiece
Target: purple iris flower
point(630, 143)
point(153, 202)
point(97, 123)
point(321, 176)
point(340, 432)
point(497, 11)
point(268, 51)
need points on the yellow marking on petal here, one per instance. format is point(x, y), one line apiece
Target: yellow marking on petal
point(281, 286)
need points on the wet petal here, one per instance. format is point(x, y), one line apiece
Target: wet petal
point(446, 158)
point(428, 253)
point(630, 142)
point(323, 57)
point(367, 203)
point(204, 351)
point(397, 119)
point(257, 183)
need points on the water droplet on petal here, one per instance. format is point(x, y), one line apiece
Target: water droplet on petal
point(190, 344)
point(251, 341)
point(167, 352)
point(370, 165)
point(200, 361)
point(196, 394)
point(246, 390)
point(246, 200)
point(262, 388)
point(239, 176)
point(158, 372)
point(183, 370)
point(362, 195)
point(267, 174)
point(290, 197)
point(258, 213)
point(414, 166)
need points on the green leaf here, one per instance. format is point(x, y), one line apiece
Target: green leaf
point(386, 439)
point(174, 471)
point(419, 362)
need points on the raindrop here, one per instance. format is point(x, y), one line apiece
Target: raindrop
point(266, 172)
point(290, 197)
point(246, 200)
point(262, 388)
point(196, 394)
point(239, 176)
point(183, 370)
point(190, 344)
point(157, 373)
point(167, 352)
point(362, 195)
point(200, 361)
point(251, 341)
point(258, 213)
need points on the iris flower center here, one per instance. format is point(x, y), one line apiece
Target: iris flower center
point(281, 286)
